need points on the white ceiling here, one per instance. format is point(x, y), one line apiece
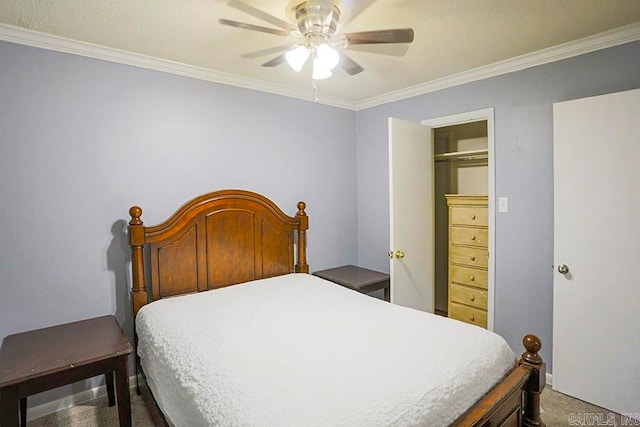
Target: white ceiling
point(452, 37)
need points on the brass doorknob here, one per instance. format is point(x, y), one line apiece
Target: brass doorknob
point(563, 269)
point(399, 254)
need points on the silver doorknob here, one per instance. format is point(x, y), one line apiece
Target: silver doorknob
point(563, 269)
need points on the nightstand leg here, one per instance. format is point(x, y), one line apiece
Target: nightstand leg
point(122, 392)
point(9, 406)
point(23, 412)
point(108, 379)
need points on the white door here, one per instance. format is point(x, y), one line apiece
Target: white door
point(411, 214)
point(596, 310)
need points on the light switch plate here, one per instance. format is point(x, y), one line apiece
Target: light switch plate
point(503, 204)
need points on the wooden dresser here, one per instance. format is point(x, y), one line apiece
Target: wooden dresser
point(468, 258)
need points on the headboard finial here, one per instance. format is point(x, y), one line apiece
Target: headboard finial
point(301, 207)
point(136, 213)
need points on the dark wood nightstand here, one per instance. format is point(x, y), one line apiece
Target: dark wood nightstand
point(36, 361)
point(358, 278)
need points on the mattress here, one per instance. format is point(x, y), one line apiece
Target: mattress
point(297, 350)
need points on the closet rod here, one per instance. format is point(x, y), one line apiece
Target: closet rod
point(462, 155)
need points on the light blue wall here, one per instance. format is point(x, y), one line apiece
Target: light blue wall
point(523, 170)
point(82, 140)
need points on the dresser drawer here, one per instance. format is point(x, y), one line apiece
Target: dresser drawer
point(468, 314)
point(469, 276)
point(470, 215)
point(474, 257)
point(470, 236)
point(470, 296)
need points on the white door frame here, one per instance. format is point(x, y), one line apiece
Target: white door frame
point(469, 117)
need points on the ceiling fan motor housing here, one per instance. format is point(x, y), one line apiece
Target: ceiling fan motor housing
point(317, 19)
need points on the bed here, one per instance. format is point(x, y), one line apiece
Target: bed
point(282, 348)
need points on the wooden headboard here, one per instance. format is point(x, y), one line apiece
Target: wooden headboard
point(215, 240)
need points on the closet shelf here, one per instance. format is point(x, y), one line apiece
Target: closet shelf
point(462, 155)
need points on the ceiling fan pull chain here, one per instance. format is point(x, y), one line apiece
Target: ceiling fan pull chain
point(315, 90)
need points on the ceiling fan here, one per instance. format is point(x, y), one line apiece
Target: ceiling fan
point(315, 35)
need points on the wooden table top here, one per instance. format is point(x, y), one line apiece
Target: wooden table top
point(354, 277)
point(44, 351)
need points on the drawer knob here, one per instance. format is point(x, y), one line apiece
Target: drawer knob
point(473, 216)
point(472, 298)
point(472, 318)
point(473, 258)
point(472, 277)
point(473, 237)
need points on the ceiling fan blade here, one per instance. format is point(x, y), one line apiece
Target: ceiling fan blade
point(275, 61)
point(349, 65)
point(389, 49)
point(268, 51)
point(251, 27)
point(257, 13)
point(397, 35)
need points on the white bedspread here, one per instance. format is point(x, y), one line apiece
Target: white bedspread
point(300, 351)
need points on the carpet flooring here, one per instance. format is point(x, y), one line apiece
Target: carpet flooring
point(557, 410)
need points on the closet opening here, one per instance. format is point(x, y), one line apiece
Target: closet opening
point(461, 192)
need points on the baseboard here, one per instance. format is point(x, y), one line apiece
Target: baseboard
point(69, 401)
point(549, 379)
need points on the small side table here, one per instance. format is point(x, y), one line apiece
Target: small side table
point(358, 278)
point(36, 361)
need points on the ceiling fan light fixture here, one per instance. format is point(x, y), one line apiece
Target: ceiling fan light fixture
point(325, 59)
point(327, 56)
point(296, 58)
point(319, 71)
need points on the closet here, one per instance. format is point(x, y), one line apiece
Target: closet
point(461, 169)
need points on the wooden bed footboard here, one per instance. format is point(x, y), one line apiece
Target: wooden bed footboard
point(515, 401)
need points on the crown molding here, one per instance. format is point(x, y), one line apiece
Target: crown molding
point(604, 40)
point(615, 37)
point(37, 39)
